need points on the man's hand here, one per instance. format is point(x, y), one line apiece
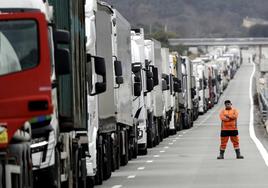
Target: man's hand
point(227, 117)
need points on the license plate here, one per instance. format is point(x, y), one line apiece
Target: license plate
point(3, 137)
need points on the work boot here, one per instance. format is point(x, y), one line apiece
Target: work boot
point(238, 155)
point(221, 156)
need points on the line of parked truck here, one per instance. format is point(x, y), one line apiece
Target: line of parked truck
point(82, 93)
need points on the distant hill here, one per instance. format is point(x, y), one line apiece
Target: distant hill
point(193, 18)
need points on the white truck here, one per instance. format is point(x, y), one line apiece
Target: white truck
point(178, 97)
point(168, 92)
point(188, 91)
point(154, 99)
point(199, 73)
point(140, 87)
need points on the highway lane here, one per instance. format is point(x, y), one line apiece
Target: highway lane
point(188, 159)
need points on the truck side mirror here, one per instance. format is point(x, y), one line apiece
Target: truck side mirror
point(213, 82)
point(177, 85)
point(164, 85)
point(205, 83)
point(219, 78)
point(193, 92)
point(177, 88)
point(150, 84)
point(149, 81)
point(62, 36)
point(62, 56)
point(137, 89)
point(136, 67)
point(118, 68)
point(119, 80)
point(166, 78)
point(100, 88)
point(149, 74)
point(100, 69)
point(155, 76)
point(118, 73)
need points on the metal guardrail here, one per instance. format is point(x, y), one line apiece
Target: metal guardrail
point(219, 41)
point(263, 104)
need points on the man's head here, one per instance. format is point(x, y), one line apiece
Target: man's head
point(228, 104)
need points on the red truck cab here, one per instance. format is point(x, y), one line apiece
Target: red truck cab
point(25, 70)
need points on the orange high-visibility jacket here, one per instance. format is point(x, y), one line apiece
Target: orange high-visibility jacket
point(231, 122)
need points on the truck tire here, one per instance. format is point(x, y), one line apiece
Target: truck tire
point(143, 151)
point(107, 157)
point(149, 138)
point(149, 130)
point(21, 152)
point(124, 143)
point(57, 170)
point(90, 182)
point(99, 174)
point(136, 150)
point(116, 151)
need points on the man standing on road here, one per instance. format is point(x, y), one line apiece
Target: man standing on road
point(228, 118)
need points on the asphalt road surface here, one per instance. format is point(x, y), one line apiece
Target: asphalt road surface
point(189, 159)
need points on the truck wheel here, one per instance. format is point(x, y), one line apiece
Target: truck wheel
point(136, 150)
point(149, 138)
point(90, 182)
point(99, 174)
point(57, 170)
point(124, 143)
point(107, 158)
point(22, 155)
point(117, 150)
point(28, 167)
point(143, 151)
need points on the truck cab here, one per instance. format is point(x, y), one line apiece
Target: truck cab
point(25, 75)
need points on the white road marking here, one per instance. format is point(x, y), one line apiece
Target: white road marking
point(116, 186)
point(131, 176)
point(171, 143)
point(156, 156)
point(149, 161)
point(141, 168)
point(174, 140)
point(252, 134)
point(162, 151)
point(166, 147)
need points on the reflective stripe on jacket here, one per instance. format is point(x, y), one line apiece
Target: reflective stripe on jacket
point(229, 119)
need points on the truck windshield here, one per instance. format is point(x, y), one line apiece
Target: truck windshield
point(18, 45)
